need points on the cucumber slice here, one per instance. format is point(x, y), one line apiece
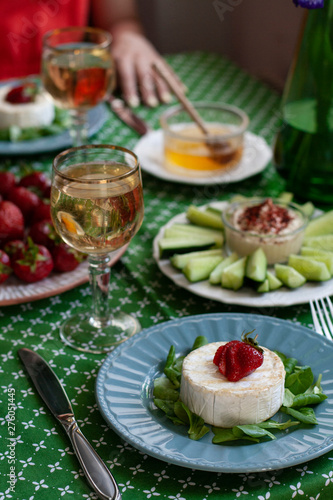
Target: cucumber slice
point(170, 246)
point(320, 225)
point(320, 255)
point(308, 208)
point(204, 218)
point(273, 281)
point(216, 275)
point(289, 276)
point(176, 230)
point(179, 261)
point(263, 287)
point(233, 275)
point(323, 242)
point(200, 268)
point(286, 196)
point(311, 269)
point(256, 265)
point(213, 210)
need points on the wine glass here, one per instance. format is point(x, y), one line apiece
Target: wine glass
point(97, 207)
point(77, 72)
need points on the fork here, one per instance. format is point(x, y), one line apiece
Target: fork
point(322, 314)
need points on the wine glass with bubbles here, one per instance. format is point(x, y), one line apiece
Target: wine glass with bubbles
point(97, 208)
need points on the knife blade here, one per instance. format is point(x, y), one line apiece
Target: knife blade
point(53, 394)
point(127, 116)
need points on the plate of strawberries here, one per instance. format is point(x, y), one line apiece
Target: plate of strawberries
point(34, 262)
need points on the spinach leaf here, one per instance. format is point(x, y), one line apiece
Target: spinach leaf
point(304, 415)
point(300, 380)
point(197, 424)
point(288, 363)
point(200, 341)
point(164, 389)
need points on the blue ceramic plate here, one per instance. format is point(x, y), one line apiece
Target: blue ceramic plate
point(124, 394)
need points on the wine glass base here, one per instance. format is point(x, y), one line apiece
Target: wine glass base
point(78, 332)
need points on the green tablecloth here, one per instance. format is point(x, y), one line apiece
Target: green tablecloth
point(45, 466)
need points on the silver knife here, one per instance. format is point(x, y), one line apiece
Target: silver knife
point(52, 392)
point(125, 113)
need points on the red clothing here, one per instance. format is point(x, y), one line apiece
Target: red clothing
point(22, 25)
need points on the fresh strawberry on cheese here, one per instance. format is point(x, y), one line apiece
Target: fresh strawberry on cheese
point(222, 402)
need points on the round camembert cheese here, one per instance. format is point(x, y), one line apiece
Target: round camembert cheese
point(39, 113)
point(209, 394)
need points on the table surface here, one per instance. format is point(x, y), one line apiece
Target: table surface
point(45, 466)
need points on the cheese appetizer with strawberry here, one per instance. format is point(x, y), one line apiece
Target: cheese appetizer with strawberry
point(233, 383)
point(25, 105)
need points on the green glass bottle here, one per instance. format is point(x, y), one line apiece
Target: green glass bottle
point(303, 150)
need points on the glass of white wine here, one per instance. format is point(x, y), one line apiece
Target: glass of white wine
point(77, 72)
point(97, 207)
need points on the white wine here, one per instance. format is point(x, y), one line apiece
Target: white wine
point(97, 207)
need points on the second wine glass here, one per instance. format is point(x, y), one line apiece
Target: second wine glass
point(77, 72)
point(97, 207)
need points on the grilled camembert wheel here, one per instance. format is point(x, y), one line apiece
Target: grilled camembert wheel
point(37, 113)
point(209, 394)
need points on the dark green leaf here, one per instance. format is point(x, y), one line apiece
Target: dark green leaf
point(300, 380)
point(197, 425)
point(199, 342)
point(304, 415)
point(222, 435)
point(164, 389)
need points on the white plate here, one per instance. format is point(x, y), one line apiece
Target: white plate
point(256, 156)
point(15, 291)
point(245, 296)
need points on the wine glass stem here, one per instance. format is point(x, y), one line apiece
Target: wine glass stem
point(79, 127)
point(99, 276)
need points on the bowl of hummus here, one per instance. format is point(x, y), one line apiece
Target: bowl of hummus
point(275, 226)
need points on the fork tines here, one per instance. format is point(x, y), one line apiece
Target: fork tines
point(322, 315)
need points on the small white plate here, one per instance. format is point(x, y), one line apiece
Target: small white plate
point(245, 296)
point(256, 156)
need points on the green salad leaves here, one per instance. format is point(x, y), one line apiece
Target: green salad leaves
point(301, 393)
point(17, 134)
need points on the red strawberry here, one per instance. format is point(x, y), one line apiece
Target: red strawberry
point(11, 222)
point(25, 199)
point(33, 263)
point(43, 233)
point(22, 94)
point(5, 267)
point(7, 182)
point(66, 258)
point(12, 247)
point(42, 211)
point(36, 180)
point(237, 359)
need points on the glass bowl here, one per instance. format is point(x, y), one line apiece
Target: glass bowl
point(279, 230)
point(188, 151)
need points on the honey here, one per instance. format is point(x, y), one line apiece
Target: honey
point(188, 148)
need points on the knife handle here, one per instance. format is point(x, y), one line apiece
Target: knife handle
point(95, 470)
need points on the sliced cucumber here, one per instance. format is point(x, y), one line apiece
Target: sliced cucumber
point(286, 197)
point(289, 276)
point(204, 218)
point(274, 282)
point(324, 242)
point(321, 255)
point(264, 286)
point(320, 225)
point(216, 275)
point(170, 246)
point(233, 275)
point(311, 269)
point(179, 261)
point(199, 269)
point(256, 265)
point(180, 230)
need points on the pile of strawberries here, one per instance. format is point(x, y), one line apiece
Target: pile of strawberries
point(29, 245)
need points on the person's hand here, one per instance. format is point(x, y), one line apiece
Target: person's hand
point(134, 58)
